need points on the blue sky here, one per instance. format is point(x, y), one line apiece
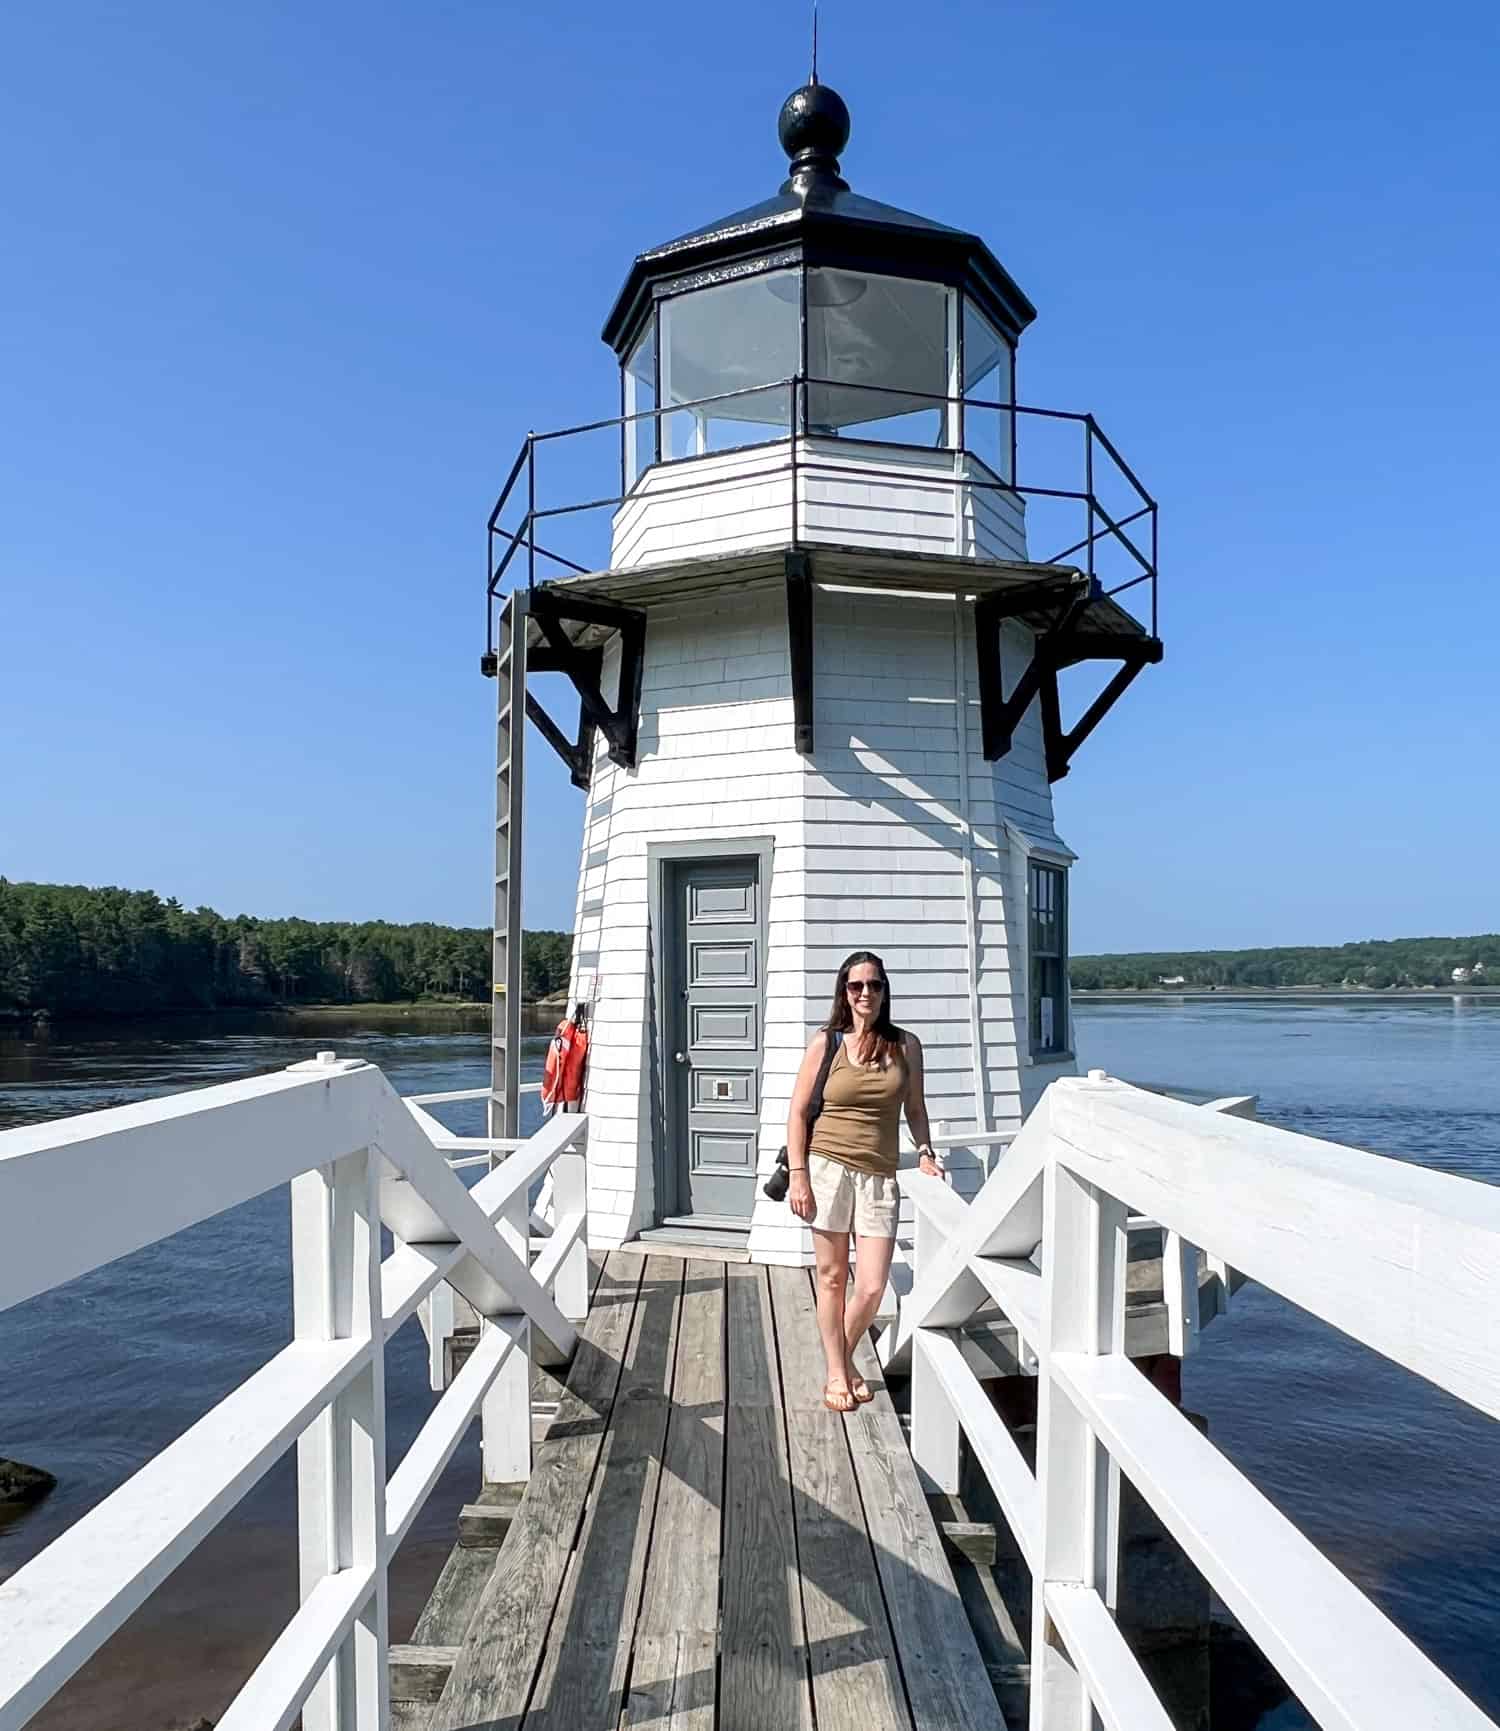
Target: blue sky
point(285, 284)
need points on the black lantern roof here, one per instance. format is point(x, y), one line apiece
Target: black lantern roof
point(816, 220)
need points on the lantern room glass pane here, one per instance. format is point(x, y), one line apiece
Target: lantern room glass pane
point(879, 344)
point(640, 399)
point(987, 367)
point(732, 337)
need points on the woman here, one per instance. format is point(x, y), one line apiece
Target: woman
point(843, 1165)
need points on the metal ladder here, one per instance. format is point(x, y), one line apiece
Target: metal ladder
point(510, 782)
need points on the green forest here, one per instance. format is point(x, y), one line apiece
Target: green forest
point(72, 951)
point(1377, 965)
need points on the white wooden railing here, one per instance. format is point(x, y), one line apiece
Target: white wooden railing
point(1398, 1257)
point(79, 1192)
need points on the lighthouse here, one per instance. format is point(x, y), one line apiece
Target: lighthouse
point(815, 638)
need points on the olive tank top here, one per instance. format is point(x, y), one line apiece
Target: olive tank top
point(860, 1124)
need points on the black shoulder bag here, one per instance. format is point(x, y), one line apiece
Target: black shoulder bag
point(780, 1181)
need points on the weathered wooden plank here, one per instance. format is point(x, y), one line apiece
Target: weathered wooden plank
point(1000, 1646)
point(946, 1682)
point(420, 1673)
point(454, 1597)
point(972, 1539)
point(583, 1677)
point(751, 1374)
point(493, 1678)
point(682, 1577)
point(672, 1682)
point(763, 1659)
point(673, 1670)
point(856, 1680)
point(486, 1522)
point(797, 1343)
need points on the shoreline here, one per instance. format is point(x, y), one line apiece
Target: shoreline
point(398, 1010)
point(1282, 994)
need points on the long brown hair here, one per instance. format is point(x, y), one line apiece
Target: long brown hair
point(887, 1037)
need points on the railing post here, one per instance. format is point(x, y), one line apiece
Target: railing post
point(1088, 484)
point(570, 1197)
point(934, 1424)
point(505, 1415)
point(440, 1322)
point(1083, 1311)
point(1179, 1279)
point(531, 511)
point(341, 1467)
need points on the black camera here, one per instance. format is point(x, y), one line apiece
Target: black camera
point(779, 1182)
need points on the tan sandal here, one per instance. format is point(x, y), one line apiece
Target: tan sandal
point(861, 1390)
point(837, 1396)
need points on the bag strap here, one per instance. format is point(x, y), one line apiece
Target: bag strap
point(815, 1104)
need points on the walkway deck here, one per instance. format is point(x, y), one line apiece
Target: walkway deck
point(703, 1546)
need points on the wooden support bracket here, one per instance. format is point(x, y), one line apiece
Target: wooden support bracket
point(799, 625)
point(999, 715)
point(1061, 746)
point(1065, 644)
point(575, 754)
point(553, 610)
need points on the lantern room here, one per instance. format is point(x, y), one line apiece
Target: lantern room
point(822, 332)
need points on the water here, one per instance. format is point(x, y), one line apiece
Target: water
point(1390, 1478)
point(102, 1374)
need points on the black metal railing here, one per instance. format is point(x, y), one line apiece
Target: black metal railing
point(795, 446)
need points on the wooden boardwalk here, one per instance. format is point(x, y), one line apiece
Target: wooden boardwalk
point(703, 1547)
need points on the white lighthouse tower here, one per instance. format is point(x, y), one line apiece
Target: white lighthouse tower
point(817, 668)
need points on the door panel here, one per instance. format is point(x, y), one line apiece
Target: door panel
point(710, 903)
point(722, 964)
point(717, 1028)
point(713, 1115)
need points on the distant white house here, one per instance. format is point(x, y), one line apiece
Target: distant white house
point(1172, 980)
point(1463, 976)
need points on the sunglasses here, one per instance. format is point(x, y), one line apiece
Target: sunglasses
point(857, 988)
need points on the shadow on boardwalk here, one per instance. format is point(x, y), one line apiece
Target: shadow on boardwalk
point(704, 1547)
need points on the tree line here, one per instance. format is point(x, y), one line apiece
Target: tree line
point(1378, 964)
point(73, 950)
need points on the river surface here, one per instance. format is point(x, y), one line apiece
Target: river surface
point(1392, 1479)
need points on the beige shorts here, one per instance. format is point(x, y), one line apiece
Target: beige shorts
point(844, 1197)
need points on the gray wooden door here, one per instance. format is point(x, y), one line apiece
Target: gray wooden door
point(715, 989)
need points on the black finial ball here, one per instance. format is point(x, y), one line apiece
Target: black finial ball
point(813, 122)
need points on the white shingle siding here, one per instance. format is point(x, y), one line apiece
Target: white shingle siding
point(867, 853)
point(892, 499)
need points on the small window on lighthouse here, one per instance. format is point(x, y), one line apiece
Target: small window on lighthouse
point(878, 347)
point(734, 337)
point(1047, 963)
point(987, 431)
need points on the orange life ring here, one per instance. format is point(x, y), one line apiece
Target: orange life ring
point(567, 1058)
